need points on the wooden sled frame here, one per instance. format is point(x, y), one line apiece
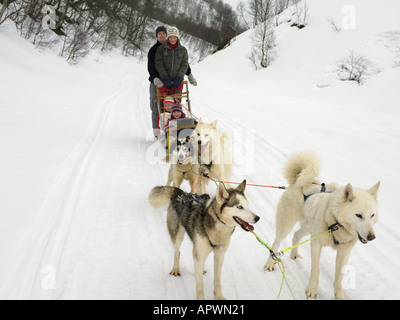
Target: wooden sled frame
point(177, 96)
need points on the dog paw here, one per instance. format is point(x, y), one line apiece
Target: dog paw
point(339, 296)
point(200, 296)
point(175, 272)
point(312, 291)
point(270, 265)
point(219, 297)
point(295, 255)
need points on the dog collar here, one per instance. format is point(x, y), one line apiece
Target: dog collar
point(332, 228)
point(219, 219)
point(211, 244)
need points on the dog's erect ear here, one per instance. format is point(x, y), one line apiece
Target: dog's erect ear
point(222, 194)
point(242, 187)
point(374, 190)
point(348, 193)
point(214, 124)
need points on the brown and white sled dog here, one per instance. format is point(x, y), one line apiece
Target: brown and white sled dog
point(350, 212)
point(210, 224)
point(214, 152)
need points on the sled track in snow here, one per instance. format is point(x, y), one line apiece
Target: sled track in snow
point(68, 191)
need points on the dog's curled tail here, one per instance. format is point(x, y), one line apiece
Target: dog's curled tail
point(161, 196)
point(302, 168)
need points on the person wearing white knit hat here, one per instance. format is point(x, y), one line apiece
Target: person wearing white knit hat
point(173, 31)
point(172, 61)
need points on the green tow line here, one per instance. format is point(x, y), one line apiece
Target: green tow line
point(280, 264)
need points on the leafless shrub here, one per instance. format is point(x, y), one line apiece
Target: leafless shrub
point(353, 68)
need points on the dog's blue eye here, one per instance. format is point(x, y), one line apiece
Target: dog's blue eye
point(240, 207)
point(359, 216)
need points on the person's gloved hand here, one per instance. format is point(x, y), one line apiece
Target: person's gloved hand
point(167, 82)
point(158, 83)
point(192, 80)
point(177, 82)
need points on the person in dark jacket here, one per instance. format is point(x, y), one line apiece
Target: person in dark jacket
point(161, 35)
point(155, 81)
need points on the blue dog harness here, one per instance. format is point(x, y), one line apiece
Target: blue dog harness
point(323, 190)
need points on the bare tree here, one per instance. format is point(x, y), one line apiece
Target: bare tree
point(301, 14)
point(242, 15)
point(263, 39)
point(5, 10)
point(260, 10)
point(280, 6)
point(78, 45)
point(264, 43)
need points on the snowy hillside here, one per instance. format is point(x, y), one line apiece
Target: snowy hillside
point(77, 161)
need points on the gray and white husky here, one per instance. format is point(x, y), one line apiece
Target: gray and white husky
point(210, 224)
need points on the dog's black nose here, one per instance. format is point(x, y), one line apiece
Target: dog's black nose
point(257, 218)
point(371, 236)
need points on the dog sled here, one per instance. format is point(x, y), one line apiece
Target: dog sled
point(177, 128)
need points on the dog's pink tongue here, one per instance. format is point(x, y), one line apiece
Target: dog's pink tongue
point(203, 148)
point(250, 227)
point(245, 225)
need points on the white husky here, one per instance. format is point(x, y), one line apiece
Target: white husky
point(350, 212)
point(214, 152)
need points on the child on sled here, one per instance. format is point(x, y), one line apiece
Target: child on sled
point(177, 113)
point(169, 103)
